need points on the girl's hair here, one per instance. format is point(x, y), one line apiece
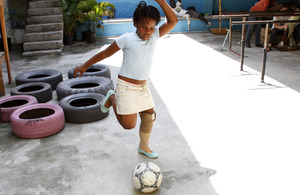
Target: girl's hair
point(146, 11)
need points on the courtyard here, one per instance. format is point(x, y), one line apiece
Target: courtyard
point(219, 130)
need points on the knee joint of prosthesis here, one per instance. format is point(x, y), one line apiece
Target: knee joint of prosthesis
point(147, 121)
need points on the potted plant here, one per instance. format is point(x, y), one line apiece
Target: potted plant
point(92, 12)
point(83, 8)
point(70, 16)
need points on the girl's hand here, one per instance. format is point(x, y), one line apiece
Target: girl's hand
point(79, 70)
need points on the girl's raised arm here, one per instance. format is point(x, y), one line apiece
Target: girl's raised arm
point(170, 15)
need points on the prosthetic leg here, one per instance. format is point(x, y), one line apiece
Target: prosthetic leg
point(147, 121)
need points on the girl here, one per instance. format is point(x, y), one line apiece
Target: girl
point(132, 94)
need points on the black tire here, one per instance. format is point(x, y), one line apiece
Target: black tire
point(83, 108)
point(94, 70)
point(37, 121)
point(53, 77)
point(93, 84)
point(41, 91)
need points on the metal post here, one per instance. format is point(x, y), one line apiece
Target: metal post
point(265, 53)
point(225, 40)
point(243, 44)
point(230, 32)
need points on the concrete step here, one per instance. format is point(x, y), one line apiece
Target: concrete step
point(42, 52)
point(44, 4)
point(44, 32)
point(45, 11)
point(43, 45)
point(44, 36)
point(45, 19)
point(44, 27)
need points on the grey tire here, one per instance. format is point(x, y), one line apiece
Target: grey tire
point(83, 108)
point(93, 84)
point(41, 91)
point(53, 77)
point(94, 70)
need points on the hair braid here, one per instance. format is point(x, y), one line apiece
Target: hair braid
point(146, 11)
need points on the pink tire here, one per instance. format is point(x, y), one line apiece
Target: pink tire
point(11, 103)
point(37, 121)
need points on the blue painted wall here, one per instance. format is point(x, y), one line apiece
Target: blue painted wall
point(125, 9)
point(233, 5)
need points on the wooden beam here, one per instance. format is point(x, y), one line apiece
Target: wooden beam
point(2, 90)
point(4, 37)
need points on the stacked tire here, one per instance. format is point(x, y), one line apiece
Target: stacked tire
point(11, 103)
point(29, 119)
point(83, 107)
point(52, 77)
point(41, 91)
point(90, 84)
point(94, 70)
point(80, 100)
point(37, 121)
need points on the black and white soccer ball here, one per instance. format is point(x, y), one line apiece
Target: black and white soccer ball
point(146, 177)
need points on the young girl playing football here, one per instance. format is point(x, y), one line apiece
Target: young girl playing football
point(132, 95)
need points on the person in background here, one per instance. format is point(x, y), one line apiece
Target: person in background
point(294, 28)
point(179, 11)
point(278, 29)
point(262, 5)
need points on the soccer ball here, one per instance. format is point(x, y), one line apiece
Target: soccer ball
point(146, 177)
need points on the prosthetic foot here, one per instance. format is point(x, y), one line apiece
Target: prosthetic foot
point(147, 121)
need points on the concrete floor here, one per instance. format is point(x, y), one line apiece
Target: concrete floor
point(218, 131)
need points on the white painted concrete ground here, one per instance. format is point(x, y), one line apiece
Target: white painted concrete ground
point(246, 130)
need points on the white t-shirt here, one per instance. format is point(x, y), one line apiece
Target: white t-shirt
point(178, 10)
point(137, 55)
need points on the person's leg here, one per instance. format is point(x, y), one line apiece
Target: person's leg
point(273, 37)
point(126, 121)
point(249, 32)
point(297, 28)
point(296, 36)
point(202, 18)
point(257, 34)
point(147, 120)
point(284, 37)
point(187, 16)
